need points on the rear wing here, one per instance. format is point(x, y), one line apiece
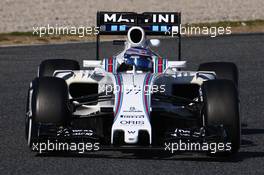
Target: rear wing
point(153, 23)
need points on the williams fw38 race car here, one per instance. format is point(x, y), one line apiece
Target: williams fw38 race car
point(136, 98)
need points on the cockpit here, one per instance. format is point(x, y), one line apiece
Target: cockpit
point(137, 58)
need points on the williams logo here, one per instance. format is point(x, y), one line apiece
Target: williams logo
point(133, 109)
point(131, 132)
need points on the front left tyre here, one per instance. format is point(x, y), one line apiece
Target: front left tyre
point(48, 67)
point(47, 104)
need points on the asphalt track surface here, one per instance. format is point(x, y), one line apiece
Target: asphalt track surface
point(18, 66)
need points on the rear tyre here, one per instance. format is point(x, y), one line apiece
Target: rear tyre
point(221, 108)
point(223, 70)
point(48, 104)
point(47, 67)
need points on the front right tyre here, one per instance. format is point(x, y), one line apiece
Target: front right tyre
point(223, 70)
point(221, 107)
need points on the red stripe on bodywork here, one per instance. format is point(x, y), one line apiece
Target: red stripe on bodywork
point(160, 61)
point(110, 65)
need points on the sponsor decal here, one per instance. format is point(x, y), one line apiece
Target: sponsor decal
point(132, 122)
point(188, 133)
point(153, 18)
point(132, 116)
point(131, 132)
point(133, 109)
point(163, 18)
point(116, 18)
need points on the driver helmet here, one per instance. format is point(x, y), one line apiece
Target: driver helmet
point(138, 58)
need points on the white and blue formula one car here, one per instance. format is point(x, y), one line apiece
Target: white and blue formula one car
point(136, 98)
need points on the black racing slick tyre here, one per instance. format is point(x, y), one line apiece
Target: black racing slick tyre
point(221, 107)
point(48, 104)
point(223, 70)
point(48, 67)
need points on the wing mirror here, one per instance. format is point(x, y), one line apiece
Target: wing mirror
point(154, 42)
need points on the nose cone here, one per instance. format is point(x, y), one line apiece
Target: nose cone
point(132, 108)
